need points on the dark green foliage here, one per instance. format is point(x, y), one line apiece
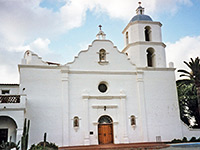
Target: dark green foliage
point(44, 145)
point(187, 96)
point(176, 141)
point(198, 140)
point(193, 139)
point(9, 145)
point(194, 79)
point(40, 146)
point(25, 135)
point(184, 139)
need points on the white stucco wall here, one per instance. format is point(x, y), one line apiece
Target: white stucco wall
point(162, 108)
point(43, 89)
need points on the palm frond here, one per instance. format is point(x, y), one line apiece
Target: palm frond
point(184, 71)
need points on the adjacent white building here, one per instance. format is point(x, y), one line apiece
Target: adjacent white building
point(103, 96)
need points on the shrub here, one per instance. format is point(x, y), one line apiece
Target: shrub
point(44, 145)
point(176, 141)
point(198, 140)
point(184, 139)
point(40, 146)
point(9, 145)
point(193, 139)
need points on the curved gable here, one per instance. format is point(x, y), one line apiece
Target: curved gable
point(101, 55)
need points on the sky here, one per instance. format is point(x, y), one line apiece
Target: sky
point(57, 30)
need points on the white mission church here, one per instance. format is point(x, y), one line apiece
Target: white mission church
point(103, 96)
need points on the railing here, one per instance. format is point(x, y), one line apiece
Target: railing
point(9, 99)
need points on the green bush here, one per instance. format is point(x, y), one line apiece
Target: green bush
point(193, 139)
point(48, 146)
point(9, 145)
point(176, 141)
point(198, 140)
point(184, 139)
point(44, 145)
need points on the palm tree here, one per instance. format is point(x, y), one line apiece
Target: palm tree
point(194, 76)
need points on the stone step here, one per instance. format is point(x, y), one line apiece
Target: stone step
point(130, 146)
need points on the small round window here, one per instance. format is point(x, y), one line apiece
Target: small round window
point(102, 87)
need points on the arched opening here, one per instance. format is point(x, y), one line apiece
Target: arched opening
point(150, 57)
point(127, 40)
point(7, 129)
point(147, 33)
point(105, 130)
point(102, 55)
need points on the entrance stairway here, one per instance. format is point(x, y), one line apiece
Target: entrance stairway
point(130, 146)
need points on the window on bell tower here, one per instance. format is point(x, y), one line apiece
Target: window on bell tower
point(150, 57)
point(127, 40)
point(147, 33)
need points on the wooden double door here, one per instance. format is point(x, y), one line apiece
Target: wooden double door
point(105, 133)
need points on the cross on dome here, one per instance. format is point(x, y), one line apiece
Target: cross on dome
point(101, 35)
point(100, 27)
point(140, 9)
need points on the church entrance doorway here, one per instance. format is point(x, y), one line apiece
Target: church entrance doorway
point(105, 130)
point(3, 135)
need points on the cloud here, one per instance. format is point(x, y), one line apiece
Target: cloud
point(40, 46)
point(25, 24)
point(8, 66)
point(182, 50)
point(25, 19)
point(162, 6)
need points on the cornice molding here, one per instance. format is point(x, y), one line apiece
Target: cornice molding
point(155, 69)
point(101, 97)
point(144, 43)
point(124, 72)
point(141, 22)
point(40, 66)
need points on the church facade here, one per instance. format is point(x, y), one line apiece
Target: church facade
point(103, 96)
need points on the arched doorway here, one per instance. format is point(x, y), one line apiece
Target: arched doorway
point(105, 130)
point(7, 129)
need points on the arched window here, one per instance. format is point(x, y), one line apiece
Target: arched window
point(133, 120)
point(102, 55)
point(150, 57)
point(105, 120)
point(147, 33)
point(127, 40)
point(76, 122)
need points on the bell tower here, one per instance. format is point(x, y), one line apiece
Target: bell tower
point(143, 41)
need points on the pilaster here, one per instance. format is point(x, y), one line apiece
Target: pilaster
point(86, 121)
point(65, 106)
point(142, 105)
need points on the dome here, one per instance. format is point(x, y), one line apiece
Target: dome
point(141, 18)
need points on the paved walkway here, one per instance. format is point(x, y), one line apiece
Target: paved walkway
point(130, 146)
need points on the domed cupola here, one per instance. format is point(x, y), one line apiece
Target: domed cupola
point(140, 15)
